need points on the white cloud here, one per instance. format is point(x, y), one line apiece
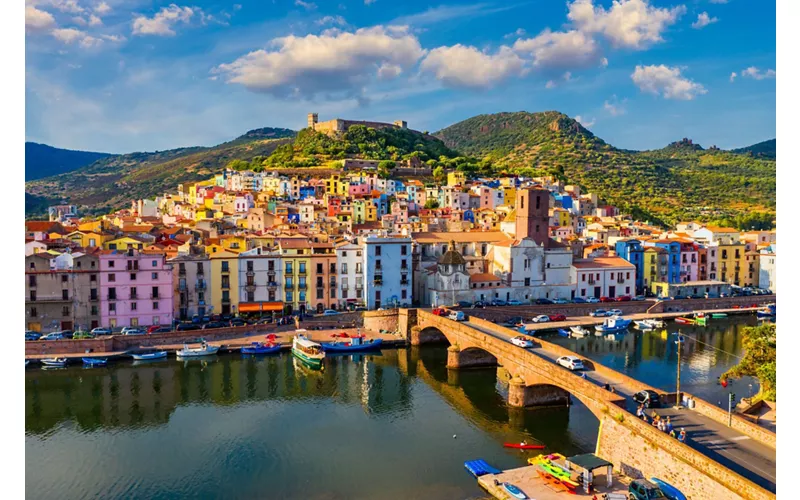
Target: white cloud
point(733, 76)
point(69, 6)
point(551, 84)
point(756, 74)
point(102, 8)
point(560, 49)
point(666, 81)
point(389, 71)
point(604, 62)
point(95, 21)
point(331, 20)
point(466, 66)
point(447, 12)
point(334, 62)
point(36, 19)
point(632, 24)
point(718, 1)
point(584, 121)
point(565, 78)
point(68, 35)
point(161, 24)
point(305, 5)
point(79, 21)
point(613, 107)
point(518, 33)
point(703, 20)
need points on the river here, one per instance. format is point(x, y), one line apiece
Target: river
point(394, 425)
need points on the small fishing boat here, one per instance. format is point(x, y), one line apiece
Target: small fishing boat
point(513, 491)
point(685, 321)
point(91, 362)
point(669, 491)
point(147, 356)
point(644, 325)
point(261, 348)
point(579, 331)
point(307, 351)
point(613, 324)
point(524, 446)
point(563, 333)
point(357, 343)
point(195, 352)
point(765, 313)
point(60, 362)
point(719, 315)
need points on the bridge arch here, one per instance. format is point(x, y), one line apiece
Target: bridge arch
point(470, 357)
point(428, 335)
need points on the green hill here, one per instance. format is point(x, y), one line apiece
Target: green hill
point(113, 182)
point(766, 149)
point(681, 181)
point(42, 160)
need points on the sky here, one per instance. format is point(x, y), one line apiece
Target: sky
point(120, 76)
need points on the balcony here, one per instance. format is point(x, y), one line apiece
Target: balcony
point(200, 272)
point(226, 286)
point(201, 285)
point(133, 296)
point(49, 299)
point(620, 280)
point(301, 272)
point(404, 282)
point(182, 287)
point(359, 270)
point(288, 285)
point(359, 287)
point(302, 286)
point(250, 287)
point(271, 277)
point(250, 272)
point(110, 297)
point(181, 272)
point(226, 300)
point(592, 281)
point(272, 284)
point(155, 296)
point(344, 288)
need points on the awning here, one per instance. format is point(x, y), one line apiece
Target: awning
point(589, 461)
point(260, 306)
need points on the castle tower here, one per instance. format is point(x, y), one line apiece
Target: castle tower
point(401, 123)
point(532, 218)
point(313, 119)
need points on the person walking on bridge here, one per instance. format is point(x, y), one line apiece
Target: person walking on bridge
point(668, 426)
point(682, 435)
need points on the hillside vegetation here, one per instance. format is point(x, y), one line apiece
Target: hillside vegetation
point(42, 160)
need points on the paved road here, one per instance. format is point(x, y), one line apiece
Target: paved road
point(738, 452)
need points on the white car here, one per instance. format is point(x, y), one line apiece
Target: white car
point(521, 341)
point(570, 362)
point(330, 312)
point(133, 331)
point(101, 331)
point(542, 318)
point(592, 300)
point(457, 316)
point(615, 312)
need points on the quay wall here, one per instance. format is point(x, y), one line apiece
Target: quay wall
point(640, 451)
point(381, 320)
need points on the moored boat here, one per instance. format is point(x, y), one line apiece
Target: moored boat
point(562, 333)
point(261, 348)
point(514, 491)
point(146, 356)
point(307, 351)
point(579, 331)
point(95, 361)
point(684, 321)
point(644, 325)
point(613, 324)
point(195, 352)
point(358, 343)
point(524, 446)
point(719, 315)
point(54, 362)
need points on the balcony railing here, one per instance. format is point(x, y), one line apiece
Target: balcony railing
point(201, 285)
point(181, 272)
point(182, 287)
point(111, 297)
point(272, 284)
point(250, 288)
point(225, 286)
point(302, 286)
point(250, 273)
point(404, 282)
point(288, 285)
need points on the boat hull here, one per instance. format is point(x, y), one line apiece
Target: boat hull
point(94, 362)
point(149, 356)
point(514, 491)
point(367, 346)
point(260, 350)
point(308, 360)
point(55, 362)
point(210, 351)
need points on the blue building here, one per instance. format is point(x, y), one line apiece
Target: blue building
point(307, 192)
point(673, 249)
point(469, 216)
point(633, 252)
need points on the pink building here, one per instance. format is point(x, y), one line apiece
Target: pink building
point(358, 189)
point(135, 289)
point(689, 262)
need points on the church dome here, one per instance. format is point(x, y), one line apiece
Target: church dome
point(451, 257)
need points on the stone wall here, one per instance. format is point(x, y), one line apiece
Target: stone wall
point(738, 422)
point(638, 450)
point(381, 320)
point(707, 304)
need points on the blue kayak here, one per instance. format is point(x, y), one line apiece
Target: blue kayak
point(260, 348)
point(669, 491)
point(514, 491)
point(354, 345)
point(95, 361)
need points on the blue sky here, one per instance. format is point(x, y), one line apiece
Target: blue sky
point(121, 76)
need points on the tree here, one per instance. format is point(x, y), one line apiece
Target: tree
point(386, 164)
point(759, 360)
point(432, 203)
point(384, 173)
point(438, 174)
point(238, 164)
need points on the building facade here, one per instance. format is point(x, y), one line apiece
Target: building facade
point(387, 262)
point(136, 289)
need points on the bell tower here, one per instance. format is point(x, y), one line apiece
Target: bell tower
point(532, 220)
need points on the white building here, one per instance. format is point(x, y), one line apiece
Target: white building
point(603, 277)
point(260, 277)
point(350, 267)
point(387, 262)
point(767, 277)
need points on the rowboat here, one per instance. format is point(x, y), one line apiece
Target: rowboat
point(27, 361)
point(579, 331)
point(513, 491)
point(669, 491)
point(54, 362)
point(719, 315)
point(524, 446)
point(147, 356)
point(644, 325)
point(307, 351)
point(95, 361)
point(196, 352)
point(261, 348)
point(355, 344)
point(563, 333)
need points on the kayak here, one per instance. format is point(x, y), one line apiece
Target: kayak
point(685, 321)
point(719, 315)
point(524, 446)
point(669, 491)
point(514, 491)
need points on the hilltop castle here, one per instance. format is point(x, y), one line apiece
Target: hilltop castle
point(336, 125)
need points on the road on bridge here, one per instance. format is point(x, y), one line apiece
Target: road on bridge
point(734, 450)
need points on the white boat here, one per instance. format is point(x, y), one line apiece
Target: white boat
point(145, 356)
point(579, 331)
point(196, 352)
point(613, 324)
point(54, 362)
point(644, 325)
point(307, 350)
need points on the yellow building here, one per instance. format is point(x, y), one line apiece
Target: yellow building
point(456, 178)
point(233, 242)
point(732, 263)
point(337, 186)
point(510, 195)
point(371, 211)
point(94, 226)
point(225, 272)
point(296, 261)
point(123, 243)
point(85, 238)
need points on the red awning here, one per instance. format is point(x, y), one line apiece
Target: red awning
point(260, 306)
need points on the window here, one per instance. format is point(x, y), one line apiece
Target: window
point(200, 268)
point(249, 266)
point(225, 266)
point(612, 276)
point(302, 267)
point(344, 267)
point(538, 201)
point(378, 265)
point(93, 294)
point(377, 250)
point(133, 306)
point(288, 296)
point(112, 277)
point(92, 277)
point(33, 266)
point(155, 263)
point(320, 293)
point(403, 294)
point(153, 276)
point(522, 202)
point(133, 292)
point(154, 292)
point(64, 278)
point(333, 268)
point(319, 268)
point(627, 276)
point(344, 253)
point(403, 251)
point(133, 276)
point(94, 310)
point(527, 282)
point(34, 312)
point(403, 264)
point(201, 296)
point(583, 277)
point(288, 268)
point(65, 311)
point(111, 263)
point(112, 307)
point(65, 294)
point(377, 295)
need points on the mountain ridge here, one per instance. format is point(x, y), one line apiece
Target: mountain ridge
point(43, 160)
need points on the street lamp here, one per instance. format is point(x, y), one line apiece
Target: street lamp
point(679, 343)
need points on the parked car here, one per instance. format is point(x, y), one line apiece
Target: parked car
point(513, 321)
point(216, 317)
point(592, 300)
point(606, 299)
point(185, 327)
point(560, 301)
point(30, 335)
point(329, 312)
point(479, 303)
point(579, 300)
point(151, 329)
point(440, 311)
point(238, 322)
point(265, 321)
point(514, 303)
point(213, 324)
point(464, 303)
point(226, 317)
point(162, 329)
point(599, 313)
point(639, 298)
point(205, 319)
point(615, 312)
point(543, 301)
point(623, 298)
point(522, 341)
point(101, 331)
point(647, 398)
point(126, 329)
point(570, 362)
point(67, 334)
point(81, 335)
point(457, 316)
point(542, 318)
point(53, 336)
point(135, 331)
point(642, 489)
point(557, 317)
point(498, 302)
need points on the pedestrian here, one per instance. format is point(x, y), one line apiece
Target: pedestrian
point(682, 435)
point(672, 433)
point(668, 425)
point(639, 412)
point(607, 387)
point(613, 391)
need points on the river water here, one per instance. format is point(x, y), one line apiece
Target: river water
point(373, 426)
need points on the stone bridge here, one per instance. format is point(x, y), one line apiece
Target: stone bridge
point(635, 448)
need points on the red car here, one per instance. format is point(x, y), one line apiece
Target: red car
point(440, 311)
point(624, 298)
point(557, 317)
point(606, 299)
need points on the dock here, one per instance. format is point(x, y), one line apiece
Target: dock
point(536, 486)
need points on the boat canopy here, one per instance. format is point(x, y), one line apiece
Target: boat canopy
point(304, 342)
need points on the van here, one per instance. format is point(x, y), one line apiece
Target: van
point(457, 316)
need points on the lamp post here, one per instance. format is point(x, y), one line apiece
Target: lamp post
point(679, 343)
